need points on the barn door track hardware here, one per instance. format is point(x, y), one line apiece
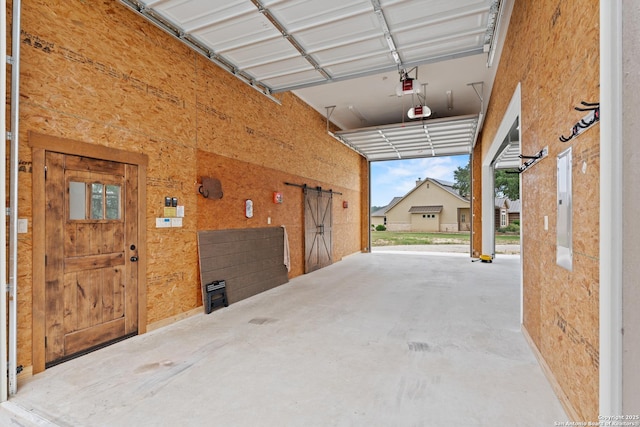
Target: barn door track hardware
point(531, 160)
point(319, 189)
point(586, 122)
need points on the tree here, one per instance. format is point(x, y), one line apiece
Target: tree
point(507, 185)
point(462, 181)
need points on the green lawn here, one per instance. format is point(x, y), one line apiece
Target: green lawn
point(393, 238)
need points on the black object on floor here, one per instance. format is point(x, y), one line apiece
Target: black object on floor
point(216, 295)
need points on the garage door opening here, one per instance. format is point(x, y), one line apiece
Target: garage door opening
point(421, 202)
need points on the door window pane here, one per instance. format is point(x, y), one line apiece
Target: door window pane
point(113, 201)
point(77, 200)
point(97, 201)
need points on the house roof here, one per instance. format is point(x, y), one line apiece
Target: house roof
point(513, 206)
point(448, 186)
point(445, 185)
point(425, 209)
point(383, 211)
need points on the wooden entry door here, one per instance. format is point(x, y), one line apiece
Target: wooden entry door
point(91, 229)
point(317, 219)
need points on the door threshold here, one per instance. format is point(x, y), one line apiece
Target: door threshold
point(89, 350)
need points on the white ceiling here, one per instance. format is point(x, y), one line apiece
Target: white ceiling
point(348, 54)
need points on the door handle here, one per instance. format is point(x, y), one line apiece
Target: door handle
point(133, 259)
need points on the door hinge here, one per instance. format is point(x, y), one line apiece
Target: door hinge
point(45, 172)
point(45, 342)
point(45, 260)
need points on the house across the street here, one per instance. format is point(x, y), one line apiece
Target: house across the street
point(507, 211)
point(432, 205)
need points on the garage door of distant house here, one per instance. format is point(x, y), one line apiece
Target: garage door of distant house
point(90, 233)
point(317, 219)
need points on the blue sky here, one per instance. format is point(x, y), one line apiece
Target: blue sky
point(396, 177)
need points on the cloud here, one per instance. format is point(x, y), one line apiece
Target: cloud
point(394, 178)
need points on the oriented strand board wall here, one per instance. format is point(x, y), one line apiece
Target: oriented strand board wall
point(552, 50)
point(228, 212)
point(93, 71)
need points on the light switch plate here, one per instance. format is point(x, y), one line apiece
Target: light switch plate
point(163, 222)
point(23, 225)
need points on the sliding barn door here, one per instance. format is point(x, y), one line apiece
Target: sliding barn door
point(91, 233)
point(317, 219)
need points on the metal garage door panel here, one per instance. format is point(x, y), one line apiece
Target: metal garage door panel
point(342, 31)
point(431, 138)
point(366, 46)
point(264, 52)
point(406, 14)
point(256, 40)
point(300, 78)
point(192, 14)
point(439, 50)
point(362, 65)
point(439, 29)
point(237, 32)
point(460, 29)
point(346, 62)
point(304, 14)
point(344, 37)
point(283, 68)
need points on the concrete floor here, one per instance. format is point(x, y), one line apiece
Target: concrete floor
point(381, 339)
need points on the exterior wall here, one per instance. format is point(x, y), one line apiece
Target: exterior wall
point(428, 193)
point(552, 50)
point(377, 220)
point(95, 72)
point(418, 223)
point(451, 227)
point(510, 217)
point(466, 224)
point(402, 226)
